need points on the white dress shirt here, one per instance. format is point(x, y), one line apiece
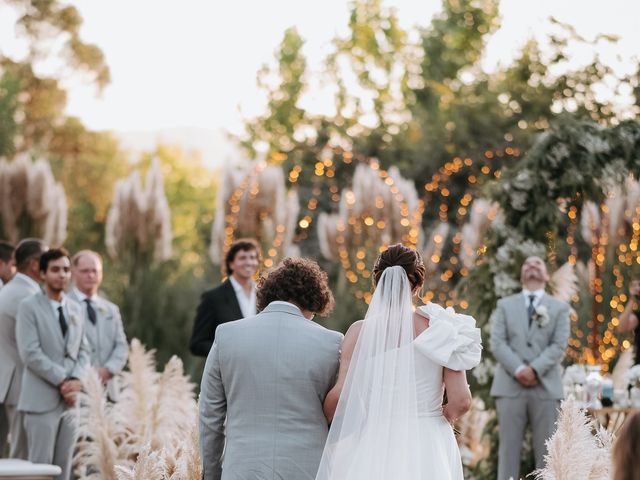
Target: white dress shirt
point(247, 302)
point(62, 303)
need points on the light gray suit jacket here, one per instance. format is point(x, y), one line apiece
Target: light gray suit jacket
point(10, 363)
point(267, 376)
point(514, 342)
point(48, 357)
point(109, 347)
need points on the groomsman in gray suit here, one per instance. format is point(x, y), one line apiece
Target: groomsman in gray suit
point(529, 336)
point(24, 284)
point(52, 344)
point(265, 379)
point(103, 324)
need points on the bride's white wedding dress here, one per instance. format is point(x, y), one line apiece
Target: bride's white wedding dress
point(389, 423)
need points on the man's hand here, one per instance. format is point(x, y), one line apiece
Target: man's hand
point(104, 374)
point(527, 377)
point(69, 390)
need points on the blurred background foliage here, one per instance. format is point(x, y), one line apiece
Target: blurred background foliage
point(415, 99)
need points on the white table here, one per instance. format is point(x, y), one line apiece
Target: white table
point(11, 469)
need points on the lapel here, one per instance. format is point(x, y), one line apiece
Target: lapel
point(50, 319)
point(231, 299)
point(75, 332)
point(545, 300)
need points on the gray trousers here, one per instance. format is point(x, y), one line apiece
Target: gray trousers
point(51, 438)
point(17, 434)
point(513, 414)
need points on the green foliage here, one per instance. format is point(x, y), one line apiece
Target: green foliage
point(278, 129)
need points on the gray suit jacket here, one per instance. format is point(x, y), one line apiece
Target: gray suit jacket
point(109, 347)
point(48, 357)
point(10, 364)
point(514, 343)
point(267, 376)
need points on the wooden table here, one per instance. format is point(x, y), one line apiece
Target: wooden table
point(612, 418)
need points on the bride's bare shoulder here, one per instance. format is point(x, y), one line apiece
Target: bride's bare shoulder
point(354, 329)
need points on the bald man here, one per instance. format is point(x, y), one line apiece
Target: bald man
point(529, 336)
point(109, 347)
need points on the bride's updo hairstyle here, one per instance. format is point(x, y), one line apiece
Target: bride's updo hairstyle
point(405, 257)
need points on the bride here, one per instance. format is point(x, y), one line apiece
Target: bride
point(386, 409)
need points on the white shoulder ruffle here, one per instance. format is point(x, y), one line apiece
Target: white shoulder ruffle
point(452, 339)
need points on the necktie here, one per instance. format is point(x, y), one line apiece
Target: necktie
point(531, 310)
point(91, 313)
point(63, 322)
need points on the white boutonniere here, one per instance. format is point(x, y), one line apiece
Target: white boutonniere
point(75, 319)
point(541, 316)
point(101, 309)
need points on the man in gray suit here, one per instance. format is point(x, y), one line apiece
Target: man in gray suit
point(267, 377)
point(24, 284)
point(55, 352)
point(529, 336)
point(103, 324)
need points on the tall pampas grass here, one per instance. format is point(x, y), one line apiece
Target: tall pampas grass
point(32, 203)
point(564, 282)
point(150, 432)
point(97, 431)
point(574, 451)
point(140, 216)
point(376, 200)
point(252, 201)
point(482, 215)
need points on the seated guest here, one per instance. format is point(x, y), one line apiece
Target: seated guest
point(103, 324)
point(51, 340)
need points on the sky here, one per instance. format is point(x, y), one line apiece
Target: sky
point(193, 63)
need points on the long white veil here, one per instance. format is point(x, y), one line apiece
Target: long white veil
point(374, 434)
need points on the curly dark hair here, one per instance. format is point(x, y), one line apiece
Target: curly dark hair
point(240, 245)
point(297, 280)
point(407, 258)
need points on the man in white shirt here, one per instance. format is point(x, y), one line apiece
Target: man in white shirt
point(103, 323)
point(235, 298)
point(529, 336)
point(24, 284)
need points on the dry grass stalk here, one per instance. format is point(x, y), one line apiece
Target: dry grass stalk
point(564, 282)
point(140, 215)
point(376, 200)
point(573, 451)
point(253, 202)
point(32, 203)
point(151, 432)
point(97, 432)
point(482, 215)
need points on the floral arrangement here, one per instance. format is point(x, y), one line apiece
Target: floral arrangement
point(632, 376)
point(574, 374)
